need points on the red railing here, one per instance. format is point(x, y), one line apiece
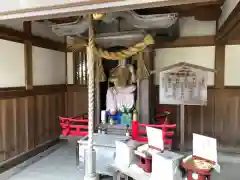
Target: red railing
point(74, 126)
point(137, 133)
point(78, 126)
point(162, 115)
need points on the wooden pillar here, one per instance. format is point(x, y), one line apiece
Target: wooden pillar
point(146, 87)
point(66, 61)
point(66, 79)
point(30, 124)
point(219, 65)
point(219, 83)
point(27, 28)
point(75, 63)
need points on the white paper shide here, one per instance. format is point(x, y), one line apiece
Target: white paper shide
point(205, 147)
point(155, 138)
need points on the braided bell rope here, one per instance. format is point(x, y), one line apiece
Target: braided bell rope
point(90, 65)
point(78, 44)
point(124, 54)
point(100, 75)
point(142, 70)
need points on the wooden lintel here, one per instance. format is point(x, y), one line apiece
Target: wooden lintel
point(27, 28)
point(19, 36)
point(8, 93)
point(233, 42)
point(193, 41)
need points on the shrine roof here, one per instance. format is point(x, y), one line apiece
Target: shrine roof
point(183, 64)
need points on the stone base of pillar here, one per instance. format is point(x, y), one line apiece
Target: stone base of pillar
point(92, 175)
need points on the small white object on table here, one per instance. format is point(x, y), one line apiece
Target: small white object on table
point(145, 151)
point(132, 171)
point(125, 153)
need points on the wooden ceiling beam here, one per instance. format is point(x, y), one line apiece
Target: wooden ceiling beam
point(208, 11)
point(235, 33)
point(83, 7)
point(203, 11)
point(228, 31)
point(62, 20)
point(19, 36)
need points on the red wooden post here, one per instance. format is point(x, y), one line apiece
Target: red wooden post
point(134, 130)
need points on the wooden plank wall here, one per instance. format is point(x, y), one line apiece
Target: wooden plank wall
point(29, 119)
point(76, 99)
point(219, 119)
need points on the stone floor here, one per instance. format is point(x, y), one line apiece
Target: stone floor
point(229, 171)
point(61, 165)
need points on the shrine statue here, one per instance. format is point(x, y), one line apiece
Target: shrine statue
point(121, 97)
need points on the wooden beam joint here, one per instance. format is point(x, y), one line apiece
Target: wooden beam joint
point(18, 36)
point(229, 25)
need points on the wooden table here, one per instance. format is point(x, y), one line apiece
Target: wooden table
point(129, 172)
point(105, 147)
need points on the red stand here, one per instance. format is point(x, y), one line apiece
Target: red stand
point(191, 169)
point(145, 164)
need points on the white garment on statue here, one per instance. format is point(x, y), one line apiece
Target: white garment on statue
point(118, 98)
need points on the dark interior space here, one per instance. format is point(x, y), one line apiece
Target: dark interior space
point(108, 66)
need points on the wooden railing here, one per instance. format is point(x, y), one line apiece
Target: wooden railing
point(138, 134)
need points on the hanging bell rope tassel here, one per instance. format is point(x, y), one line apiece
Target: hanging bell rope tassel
point(76, 44)
point(100, 75)
point(142, 71)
